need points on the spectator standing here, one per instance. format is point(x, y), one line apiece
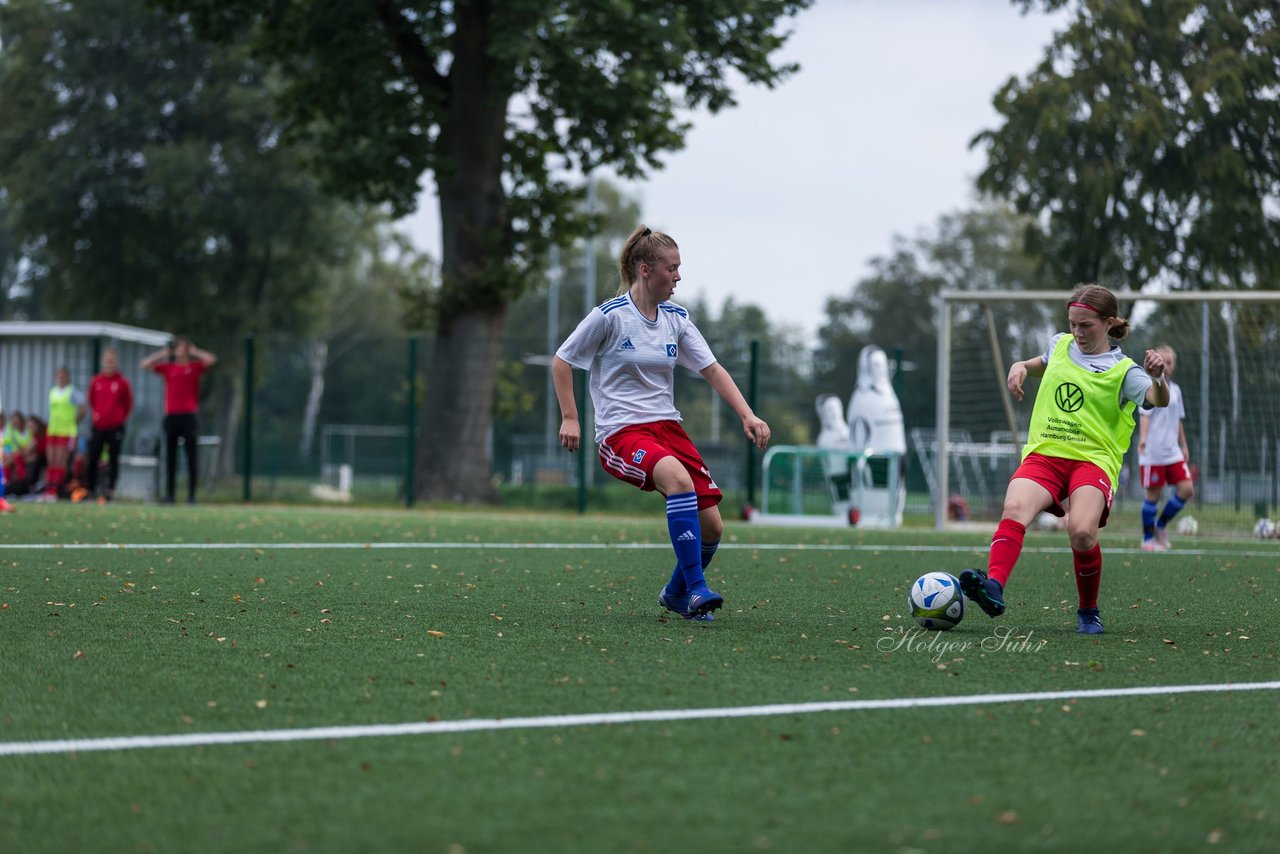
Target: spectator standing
point(66, 408)
point(110, 402)
point(181, 364)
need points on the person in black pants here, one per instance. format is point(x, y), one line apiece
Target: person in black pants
point(110, 402)
point(181, 364)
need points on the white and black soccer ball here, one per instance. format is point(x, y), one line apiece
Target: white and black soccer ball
point(1187, 526)
point(1264, 529)
point(936, 602)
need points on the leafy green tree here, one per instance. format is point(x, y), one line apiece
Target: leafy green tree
point(146, 172)
point(1145, 143)
point(894, 307)
point(499, 102)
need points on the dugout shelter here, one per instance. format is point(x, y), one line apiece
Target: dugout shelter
point(30, 353)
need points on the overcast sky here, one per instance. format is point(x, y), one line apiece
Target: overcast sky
point(782, 200)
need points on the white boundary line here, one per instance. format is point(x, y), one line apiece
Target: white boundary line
point(140, 742)
point(800, 547)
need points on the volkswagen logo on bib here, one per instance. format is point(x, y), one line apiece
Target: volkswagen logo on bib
point(1069, 397)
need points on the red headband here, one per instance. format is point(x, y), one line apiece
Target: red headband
point(1085, 305)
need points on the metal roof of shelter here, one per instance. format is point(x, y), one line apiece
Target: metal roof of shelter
point(83, 329)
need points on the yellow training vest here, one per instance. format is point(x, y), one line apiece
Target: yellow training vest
point(1078, 414)
point(62, 412)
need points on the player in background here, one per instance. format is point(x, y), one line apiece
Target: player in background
point(1081, 425)
point(66, 408)
point(110, 402)
point(5, 506)
point(631, 345)
point(1162, 459)
point(181, 364)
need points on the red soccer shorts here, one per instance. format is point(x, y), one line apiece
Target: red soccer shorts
point(60, 441)
point(631, 453)
point(1061, 477)
point(1154, 477)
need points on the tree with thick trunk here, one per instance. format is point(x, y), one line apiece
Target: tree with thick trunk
point(500, 102)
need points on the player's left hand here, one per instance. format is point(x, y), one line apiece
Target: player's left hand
point(1153, 362)
point(757, 431)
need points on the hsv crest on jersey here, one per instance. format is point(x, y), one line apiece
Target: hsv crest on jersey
point(638, 456)
point(671, 351)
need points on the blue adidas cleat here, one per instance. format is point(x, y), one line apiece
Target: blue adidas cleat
point(680, 605)
point(985, 592)
point(1088, 622)
point(701, 604)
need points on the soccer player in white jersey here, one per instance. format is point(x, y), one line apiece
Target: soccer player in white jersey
point(631, 346)
point(1162, 460)
point(1080, 429)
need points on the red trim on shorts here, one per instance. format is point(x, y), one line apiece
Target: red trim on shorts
point(631, 453)
point(1061, 477)
point(1155, 477)
point(59, 441)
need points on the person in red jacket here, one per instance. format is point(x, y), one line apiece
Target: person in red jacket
point(181, 364)
point(110, 402)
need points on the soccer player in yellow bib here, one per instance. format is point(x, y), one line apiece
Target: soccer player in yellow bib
point(1081, 425)
point(66, 409)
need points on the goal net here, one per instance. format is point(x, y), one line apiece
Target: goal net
point(1228, 367)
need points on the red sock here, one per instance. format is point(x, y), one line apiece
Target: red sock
point(1088, 575)
point(54, 478)
point(1006, 545)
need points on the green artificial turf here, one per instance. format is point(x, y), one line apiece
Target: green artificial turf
point(312, 619)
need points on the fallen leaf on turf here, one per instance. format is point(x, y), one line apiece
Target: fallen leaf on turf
point(434, 633)
point(1137, 733)
point(1008, 817)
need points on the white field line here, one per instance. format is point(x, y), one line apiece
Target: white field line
point(799, 547)
point(141, 742)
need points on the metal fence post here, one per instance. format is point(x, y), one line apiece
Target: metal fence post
point(412, 423)
point(583, 440)
point(753, 383)
point(247, 491)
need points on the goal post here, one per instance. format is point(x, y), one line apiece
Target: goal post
point(1228, 366)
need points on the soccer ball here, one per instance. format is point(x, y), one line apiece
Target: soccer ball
point(936, 602)
point(1188, 526)
point(1264, 529)
point(1048, 522)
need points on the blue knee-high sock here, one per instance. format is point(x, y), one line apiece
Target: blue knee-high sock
point(686, 537)
point(708, 553)
point(676, 584)
point(1148, 519)
point(1171, 508)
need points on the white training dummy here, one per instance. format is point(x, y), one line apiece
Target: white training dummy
point(834, 436)
point(876, 426)
point(875, 416)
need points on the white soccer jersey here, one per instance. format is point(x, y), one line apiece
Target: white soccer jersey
point(1136, 379)
point(632, 361)
point(1162, 446)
